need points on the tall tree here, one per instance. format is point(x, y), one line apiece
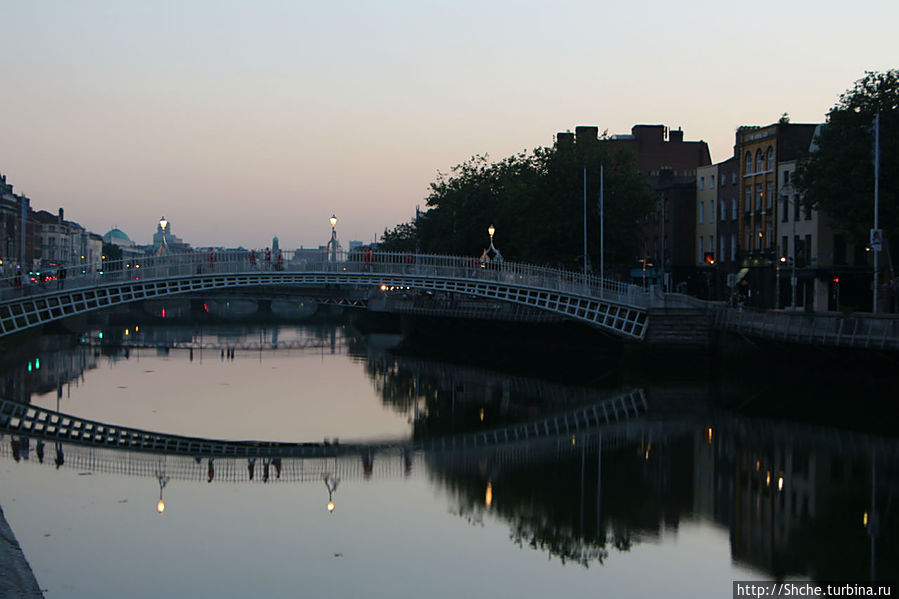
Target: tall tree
point(536, 202)
point(838, 177)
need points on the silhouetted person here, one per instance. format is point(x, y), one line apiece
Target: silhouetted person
point(210, 471)
point(60, 458)
point(368, 463)
point(251, 466)
point(16, 449)
point(407, 462)
point(277, 464)
point(61, 279)
point(265, 464)
point(40, 452)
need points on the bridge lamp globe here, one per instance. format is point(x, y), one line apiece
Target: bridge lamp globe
point(333, 221)
point(160, 506)
point(330, 507)
point(490, 231)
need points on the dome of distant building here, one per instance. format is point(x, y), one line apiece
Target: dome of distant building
point(118, 237)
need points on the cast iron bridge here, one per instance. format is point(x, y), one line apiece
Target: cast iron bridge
point(617, 308)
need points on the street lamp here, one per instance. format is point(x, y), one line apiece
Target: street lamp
point(495, 255)
point(332, 244)
point(780, 261)
point(786, 193)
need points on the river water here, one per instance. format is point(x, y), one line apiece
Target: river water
point(692, 482)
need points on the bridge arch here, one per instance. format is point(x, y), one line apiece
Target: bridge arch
point(616, 308)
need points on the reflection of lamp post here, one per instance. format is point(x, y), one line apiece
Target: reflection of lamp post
point(163, 479)
point(332, 244)
point(331, 483)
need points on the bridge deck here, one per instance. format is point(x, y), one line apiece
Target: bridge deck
point(609, 305)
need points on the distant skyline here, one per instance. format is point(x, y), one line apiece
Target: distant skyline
point(242, 121)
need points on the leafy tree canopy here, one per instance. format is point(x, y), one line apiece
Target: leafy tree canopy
point(536, 202)
point(838, 177)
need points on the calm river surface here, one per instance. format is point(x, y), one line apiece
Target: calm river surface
point(684, 492)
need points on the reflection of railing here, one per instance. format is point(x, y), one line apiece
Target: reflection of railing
point(33, 421)
point(864, 331)
point(542, 441)
point(123, 462)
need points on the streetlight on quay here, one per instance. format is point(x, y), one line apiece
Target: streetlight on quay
point(787, 193)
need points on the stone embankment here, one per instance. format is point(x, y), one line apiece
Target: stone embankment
point(16, 578)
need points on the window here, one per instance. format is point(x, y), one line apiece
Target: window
point(733, 178)
point(808, 212)
point(701, 211)
point(712, 245)
point(770, 158)
point(758, 196)
point(770, 200)
point(721, 254)
point(758, 238)
point(785, 211)
point(723, 210)
point(795, 210)
point(786, 178)
point(712, 182)
point(808, 248)
point(769, 238)
point(734, 210)
point(702, 183)
point(758, 160)
point(748, 163)
point(784, 242)
point(748, 204)
point(700, 248)
point(711, 211)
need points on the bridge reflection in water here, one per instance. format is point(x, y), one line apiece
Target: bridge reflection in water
point(579, 476)
point(604, 484)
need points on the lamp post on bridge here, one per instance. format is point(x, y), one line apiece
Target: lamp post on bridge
point(496, 255)
point(332, 243)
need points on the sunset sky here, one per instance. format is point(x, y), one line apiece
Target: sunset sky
point(239, 121)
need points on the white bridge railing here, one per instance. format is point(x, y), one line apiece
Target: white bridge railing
point(356, 261)
point(833, 329)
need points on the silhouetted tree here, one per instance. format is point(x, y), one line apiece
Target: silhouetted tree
point(838, 177)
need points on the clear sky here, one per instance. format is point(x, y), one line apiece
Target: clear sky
point(239, 121)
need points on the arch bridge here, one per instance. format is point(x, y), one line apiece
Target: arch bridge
point(617, 308)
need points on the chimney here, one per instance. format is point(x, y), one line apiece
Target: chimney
point(676, 136)
point(584, 135)
point(61, 219)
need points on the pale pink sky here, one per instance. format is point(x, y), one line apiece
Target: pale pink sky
point(241, 121)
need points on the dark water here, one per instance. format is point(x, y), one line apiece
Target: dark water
point(752, 467)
